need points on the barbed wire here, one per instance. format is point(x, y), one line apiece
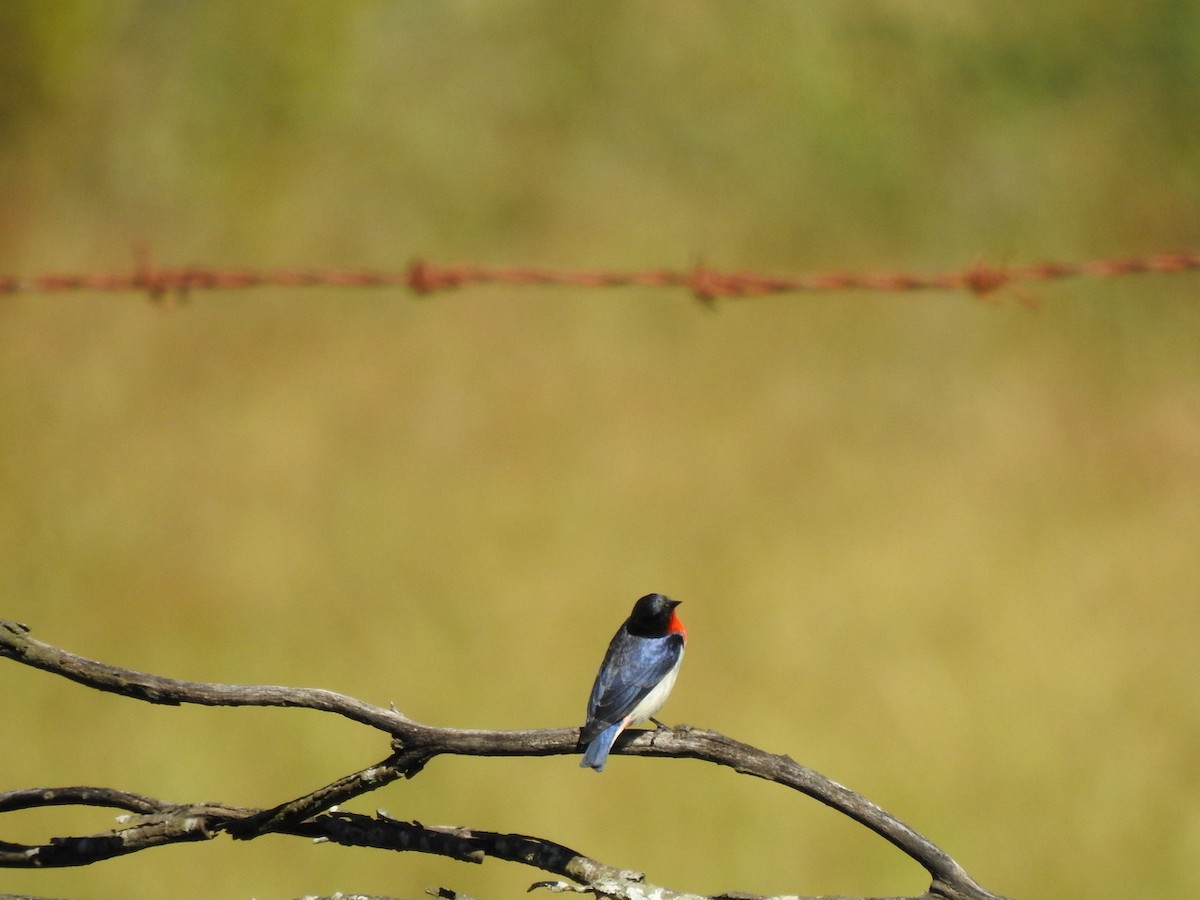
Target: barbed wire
point(423, 277)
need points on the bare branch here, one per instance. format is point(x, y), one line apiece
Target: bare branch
point(414, 745)
point(80, 796)
point(16, 643)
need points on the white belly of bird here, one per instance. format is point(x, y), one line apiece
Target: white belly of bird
point(654, 700)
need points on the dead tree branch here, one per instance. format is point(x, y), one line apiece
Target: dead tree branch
point(151, 822)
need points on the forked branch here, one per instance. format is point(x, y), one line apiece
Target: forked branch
point(151, 822)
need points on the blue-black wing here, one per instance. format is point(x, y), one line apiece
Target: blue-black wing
point(632, 667)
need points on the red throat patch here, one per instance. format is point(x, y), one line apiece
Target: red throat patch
point(676, 626)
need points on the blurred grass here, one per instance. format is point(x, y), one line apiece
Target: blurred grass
point(942, 551)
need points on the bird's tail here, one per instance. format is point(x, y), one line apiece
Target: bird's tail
point(596, 754)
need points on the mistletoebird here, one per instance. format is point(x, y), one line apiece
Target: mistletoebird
point(636, 676)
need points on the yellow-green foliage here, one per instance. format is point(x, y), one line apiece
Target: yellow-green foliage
point(943, 551)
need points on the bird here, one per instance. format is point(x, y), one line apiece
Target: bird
point(636, 676)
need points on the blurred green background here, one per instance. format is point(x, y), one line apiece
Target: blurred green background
point(941, 550)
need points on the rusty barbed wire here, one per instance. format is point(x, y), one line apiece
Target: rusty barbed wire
point(423, 277)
